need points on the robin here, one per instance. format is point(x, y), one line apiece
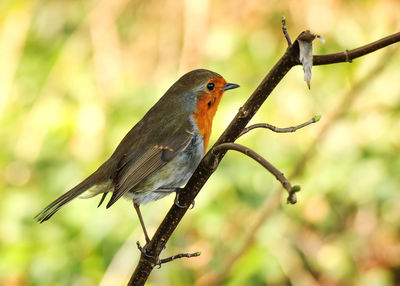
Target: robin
point(161, 152)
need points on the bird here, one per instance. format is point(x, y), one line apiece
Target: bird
point(161, 152)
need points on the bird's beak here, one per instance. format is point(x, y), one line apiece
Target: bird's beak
point(230, 86)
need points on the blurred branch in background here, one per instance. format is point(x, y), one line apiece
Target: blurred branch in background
point(12, 38)
point(196, 19)
point(107, 54)
point(272, 202)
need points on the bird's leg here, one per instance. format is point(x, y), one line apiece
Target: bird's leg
point(176, 201)
point(141, 222)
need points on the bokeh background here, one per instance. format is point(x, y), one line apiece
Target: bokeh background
point(75, 76)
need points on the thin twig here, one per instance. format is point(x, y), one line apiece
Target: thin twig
point(168, 259)
point(280, 130)
point(181, 255)
point(263, 162)
point(284, 29)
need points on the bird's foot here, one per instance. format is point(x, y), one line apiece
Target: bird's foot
point(176, 202)
point(143, 249)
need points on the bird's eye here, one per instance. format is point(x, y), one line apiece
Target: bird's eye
point(210, 86)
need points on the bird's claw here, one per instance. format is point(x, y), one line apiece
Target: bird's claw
point(176, 202)
point(143, 249)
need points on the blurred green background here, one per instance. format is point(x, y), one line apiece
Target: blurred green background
point(75, 76)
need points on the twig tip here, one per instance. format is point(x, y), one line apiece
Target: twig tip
point(292, 198)
point(285, 33)
point(296, 188)
point(316, 118)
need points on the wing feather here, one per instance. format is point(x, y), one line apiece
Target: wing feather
point(135, 167)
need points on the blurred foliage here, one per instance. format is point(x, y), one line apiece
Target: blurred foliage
point(75, 76)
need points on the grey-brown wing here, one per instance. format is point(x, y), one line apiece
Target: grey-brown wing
point(139, 164)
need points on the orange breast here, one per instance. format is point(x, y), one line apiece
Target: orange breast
point(205, 114)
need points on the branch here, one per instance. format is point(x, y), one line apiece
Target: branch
point(263, 162)
point(280, 130)
point(242, 118)
point(350, 55)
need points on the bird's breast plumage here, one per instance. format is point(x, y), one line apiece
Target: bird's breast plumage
point(206, 107)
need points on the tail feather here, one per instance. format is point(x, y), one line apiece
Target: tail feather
point(102, 199)
point(52, 208)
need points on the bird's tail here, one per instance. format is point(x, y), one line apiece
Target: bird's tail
point(52, 208)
